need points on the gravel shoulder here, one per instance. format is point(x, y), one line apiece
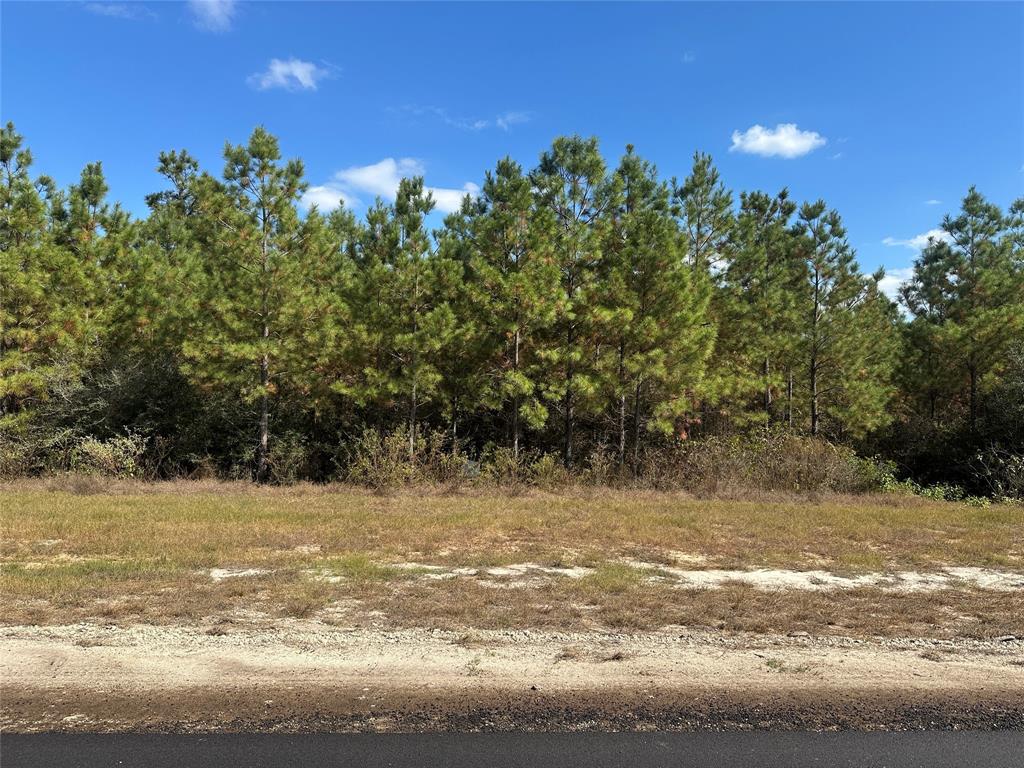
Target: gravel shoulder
point(300, 675)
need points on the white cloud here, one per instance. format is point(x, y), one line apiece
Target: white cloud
point(785, 140)
point(920, 241)
point(212, 15)
point(290, 74)
point(506, 120)
point(327, 197)
point(381, 180)
point(120, 10)
point(450, 200)
point(933, 202)
point(890, 284)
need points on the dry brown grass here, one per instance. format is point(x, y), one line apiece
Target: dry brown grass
point(132, 552)
point(203, 524)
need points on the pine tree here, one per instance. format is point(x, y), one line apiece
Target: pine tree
point(257, 288)
point(43, 286)
point(985, 315)
point(848, 362)
point(705, 210)
point(651, 315)
point(929, 372)
point(762, 289)
point(571, 183)
point(512, 280)
point(406, 320)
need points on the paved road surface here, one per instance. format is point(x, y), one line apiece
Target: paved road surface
point(517, 750)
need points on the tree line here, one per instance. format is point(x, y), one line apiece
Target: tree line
point(570, 307)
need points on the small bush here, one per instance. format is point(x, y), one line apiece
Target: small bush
point(119, 457)
point(384, 462)
point(381, 461)
point(1000, 472)
point(769, 460)
point(548, 472)
point(16, 457)
point(502, 467)
point(288, 458)
point(440, 459)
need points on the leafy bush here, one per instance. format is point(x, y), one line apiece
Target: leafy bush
point(384, 462)
point(548, 472)
point(502, 467)
point(380, 461)
point(16, 457)
point(1000, 471)
point(288, 458)
point(439, 459)
point(119, 456)
point(769, 460)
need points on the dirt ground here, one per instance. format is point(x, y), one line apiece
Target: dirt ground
point(298, 675)
point(194, 608)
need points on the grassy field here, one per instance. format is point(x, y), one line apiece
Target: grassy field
point(135, 552)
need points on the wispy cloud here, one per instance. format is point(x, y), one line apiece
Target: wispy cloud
point(289, 74)
point(441, 115)
point(890, 284)
point(504, 121)
point(921, 241)
point(933, 202)
point(132, 12)
point(380, 179)
point(784, 140)
point(213, 15)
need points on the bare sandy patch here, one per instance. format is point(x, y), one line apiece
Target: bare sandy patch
point(70, 666)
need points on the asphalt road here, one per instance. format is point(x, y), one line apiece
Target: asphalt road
point(517, 750)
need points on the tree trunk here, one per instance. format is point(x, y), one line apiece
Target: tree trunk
point(567, 447)
point(622, 409)
point(814, 395)
point(412, 421)
point(567, 403)
point(973, 370)
point(515, 402)
point(263, 442)
point(636, 427)
point(262, 448)
point(814, 354)
point(789, 400)
point(455, 421)
point(767, 391)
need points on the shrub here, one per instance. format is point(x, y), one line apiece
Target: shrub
point(383, 461)
point(288, 458)
point(548, 472)
point(768, 460)
point(380, 461)
point(440, 459)
point(502, 467)
point(1000, 472)
point(119, 456)
point(16, 457)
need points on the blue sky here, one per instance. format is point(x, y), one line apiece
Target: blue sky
point(887, 111)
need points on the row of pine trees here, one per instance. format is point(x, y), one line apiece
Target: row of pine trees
point(568, 306)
